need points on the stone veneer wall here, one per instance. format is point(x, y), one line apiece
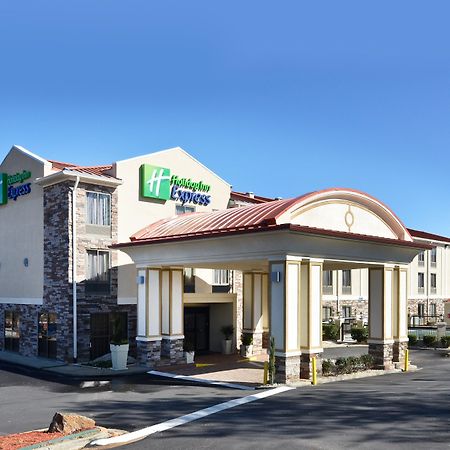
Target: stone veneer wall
point(57, 293)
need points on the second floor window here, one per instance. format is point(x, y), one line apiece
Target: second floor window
point(433, 256)
point(327, 278)
point(346, 281)
point(421, 281)
point(98, 208)
point(433, 283)
point(183, 209)
point(189, 280)
point(97, 273)
point(421, 258)
point(221, 277)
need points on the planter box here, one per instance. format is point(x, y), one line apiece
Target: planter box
point(189, 357)
point(119, 356)
point(246, 351)
point(227, 346)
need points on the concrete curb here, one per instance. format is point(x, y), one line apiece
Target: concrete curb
point(72, 442)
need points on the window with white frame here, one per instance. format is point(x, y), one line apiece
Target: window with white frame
point(421, 258)
point(433, 310)
point(97, 271)
point(421, 282)
point(183, 209)
point(346, 281)
point(221, 277)
point(433, 283)
point(327, 313)
point(327, 281)
point(98, 208)
point(421, 309)
point(433, 256)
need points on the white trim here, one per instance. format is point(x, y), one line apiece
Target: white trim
point(288, 354)
point(164, 426)
point(148, 339)
point(68, 174)
point(127, 300)
point(30, 154)
point(22, 301)
point(173, 337)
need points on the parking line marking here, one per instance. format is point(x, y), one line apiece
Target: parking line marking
point(163, 426)
point(201, 380)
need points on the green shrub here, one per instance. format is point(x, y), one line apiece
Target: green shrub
point(359, 334)
point(429, 340)
point(367, 361)
point(445, 341)
point(330, 331)
point(247, 339)
point(328, 367)
point(412, 339)
point(347, 365)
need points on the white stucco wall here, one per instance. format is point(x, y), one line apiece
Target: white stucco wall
point(135, 213)
point(22, 234)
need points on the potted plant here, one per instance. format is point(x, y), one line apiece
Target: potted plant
point(189, 351)
point(227, 331)
point(119, 347)
point(247, 345)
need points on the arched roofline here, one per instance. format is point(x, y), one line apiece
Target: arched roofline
point(359, 197)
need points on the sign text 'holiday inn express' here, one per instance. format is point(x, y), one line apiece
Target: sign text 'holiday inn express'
point(11, 192)
point(157, 183)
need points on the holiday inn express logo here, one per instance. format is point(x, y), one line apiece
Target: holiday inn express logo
point(155, 182)
point(158, 183)
point(3, 188)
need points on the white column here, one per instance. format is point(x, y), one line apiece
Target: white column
point(400, 312)
point(149, 303)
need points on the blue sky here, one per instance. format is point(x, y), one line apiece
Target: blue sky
point(280, 98)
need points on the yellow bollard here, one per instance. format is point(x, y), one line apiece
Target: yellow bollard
point(406, 360)
point(314, 371)
point(266, 371)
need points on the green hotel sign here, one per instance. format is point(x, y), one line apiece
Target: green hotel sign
point(158, 183)
point(8, 190)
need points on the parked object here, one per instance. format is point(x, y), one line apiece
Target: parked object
point(247, 345)
point(227, 343)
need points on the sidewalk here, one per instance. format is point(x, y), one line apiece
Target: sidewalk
point(62, 369)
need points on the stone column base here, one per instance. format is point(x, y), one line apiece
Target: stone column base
point(306, 368)
point(287, 369)
point(257, 346)
point(399, 351)
point(382, 355)
point(173, 349)
point(148, 353)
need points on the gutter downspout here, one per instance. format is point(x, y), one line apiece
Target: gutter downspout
point(74, 271)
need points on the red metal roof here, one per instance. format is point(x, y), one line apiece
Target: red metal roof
point(90, 170)
point(254, 216)
point(426, 235)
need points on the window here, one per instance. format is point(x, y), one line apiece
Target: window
point(346, 312)
point(183, 209)
point(47, 335)
point(421, 258)
point(433, 283)
point(97, 274)
point(433, 257)
point(327, 282)
point(189, 280)
point(421, 282)
point(346, 281)
point(221, 281)
point(98, 209)
point(433, 310)
point(12, 331)
point(421, 310)
point(327, 313)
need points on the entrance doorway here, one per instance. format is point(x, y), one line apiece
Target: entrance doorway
point(103, 326)
point(196, 328)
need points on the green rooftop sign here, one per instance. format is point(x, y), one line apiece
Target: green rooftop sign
point(158, 183)
point(3, 188)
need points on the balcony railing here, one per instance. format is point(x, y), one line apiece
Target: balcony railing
point(433, 290)
point(421, 262)
point(421, 290)
point(420, 321)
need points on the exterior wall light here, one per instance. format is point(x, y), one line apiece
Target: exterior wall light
point(276, 277)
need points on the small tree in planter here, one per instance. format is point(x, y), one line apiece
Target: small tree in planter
point(227, 343)
point(189, 351)
point(272, 367)
point(119, 346)
point(247, 345)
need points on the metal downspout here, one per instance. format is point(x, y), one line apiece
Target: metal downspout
point(74, 271)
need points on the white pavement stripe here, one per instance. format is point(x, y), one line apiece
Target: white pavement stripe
point(201, 380)
point(163, 426)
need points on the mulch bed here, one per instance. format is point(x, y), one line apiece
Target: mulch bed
point(20, 440)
